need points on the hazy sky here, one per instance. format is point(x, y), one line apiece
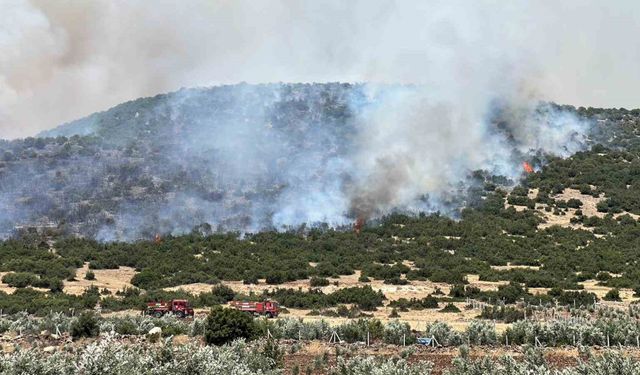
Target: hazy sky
point(61, 60)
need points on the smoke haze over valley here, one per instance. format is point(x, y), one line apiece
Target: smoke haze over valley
point(453, 96)
point(255, 157)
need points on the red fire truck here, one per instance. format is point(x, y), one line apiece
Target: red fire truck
point(178, 307)
point(269, 309)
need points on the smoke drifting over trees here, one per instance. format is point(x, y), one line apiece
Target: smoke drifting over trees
point(255, 157)
point(63, 60)
point(451, 88)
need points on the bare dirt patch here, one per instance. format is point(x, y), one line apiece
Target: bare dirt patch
point(415, 289)
point(417, 319)
point(589, 202)
point(510, 266)
point(5, 287)
point(485, 286)
point(113, 280)
point(592, 286)
point(589, 208)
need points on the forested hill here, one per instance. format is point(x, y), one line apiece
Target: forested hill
point(243, 158)
point(164, 164)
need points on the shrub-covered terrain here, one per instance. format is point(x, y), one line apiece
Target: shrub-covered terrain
point(503, 234)
point(488, 232)
point(109, 356)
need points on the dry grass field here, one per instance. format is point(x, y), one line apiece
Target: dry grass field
point(113, 280)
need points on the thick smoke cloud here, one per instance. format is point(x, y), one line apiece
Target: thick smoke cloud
point(440, 74)
point(60, 60)
point(414, 143)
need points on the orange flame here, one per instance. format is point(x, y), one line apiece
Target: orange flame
point(527, 167)
point(157, 239)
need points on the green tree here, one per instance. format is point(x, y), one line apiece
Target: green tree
point(613, 295)
point(85, 326)
point(225, 325)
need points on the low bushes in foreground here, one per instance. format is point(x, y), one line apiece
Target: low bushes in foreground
point(108, 357)
point(609, 328)
point(609, 363)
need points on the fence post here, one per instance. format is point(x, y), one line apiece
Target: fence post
point(608, 344)
point(368, 337)
point(335, 338)
point(506, 339)
point(404, 340)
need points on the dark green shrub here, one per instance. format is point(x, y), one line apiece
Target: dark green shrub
point(272, 350)
point(574, 203)
point(612, 295)
point(506, 314)
point(126, 327)
point(89, 275)
point(85, 326)
point(275, 278)
point(20, 279)
point(250, 279)
point(573, 298)
point(225, 325)
point(90, 297)
point(510, 293)
point(364, 297)
point(56, 286)
point(223, 293)
point(396, 281)
point(450, 308)
point(430, 302)
point(457, 291)
point(318, 282)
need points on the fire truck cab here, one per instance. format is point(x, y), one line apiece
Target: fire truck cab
point(178, 307)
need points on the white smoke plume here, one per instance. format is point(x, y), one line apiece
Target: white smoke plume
point(61, 60)
point(458, 63)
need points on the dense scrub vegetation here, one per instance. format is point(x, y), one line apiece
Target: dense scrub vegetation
point(438, 248)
